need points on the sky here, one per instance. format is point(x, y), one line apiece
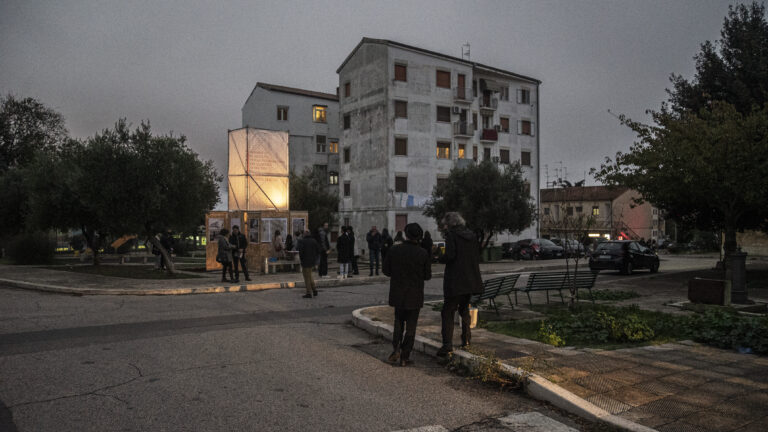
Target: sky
point(188, 66)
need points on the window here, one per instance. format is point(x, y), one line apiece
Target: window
point(595, 211)
point(346, 221)
point(320, 170)
point(401, 184)
point(523, 96)
point(443, 113)
point(347, 121)
point(504, 156)
point(474, 120)
point(347, 189)
point(282, 113)
point(504, 94)
point(401, 220)
point(347, 88)
point(546, 211)
point(486, 153)
point(333, 178)
point(443, 150)
point(569, 211)
point(504, 124)
point(401, 146)
point(443, 79)
point(525, 127)
point(525, 158)
point(401, 109)
point(333, 147)
point(462, 151)
point(474, 153)
point(318, 113)
point(487, 121)
point(346, 155)
point(320, 142)
point(655, 211)
point(579, 209)
point(401, 72)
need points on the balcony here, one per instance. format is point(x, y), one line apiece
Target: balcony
point(463, 129)
point(463, 94)
point(489, 135)
point(488, 103)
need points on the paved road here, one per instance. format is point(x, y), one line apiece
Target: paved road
point(245, 361)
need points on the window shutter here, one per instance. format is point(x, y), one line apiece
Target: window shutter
point(533, 129)
point(519, 127)
point(519, 95)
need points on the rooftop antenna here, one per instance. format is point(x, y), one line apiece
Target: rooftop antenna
point(465, 51)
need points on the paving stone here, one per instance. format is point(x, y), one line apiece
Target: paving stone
point(638, 415)
point(695, 363)
point(650, 371)
point(746, 406)
point(611, 405)
point(708, 374)
point(598, 383)
point(697, 397)
point(625, 376)
point(670, 408)
point(685, 379)
point(576, 389)
point(722, 388)
point(715, 421)
point(568, 374)
point(681, 426)
point(729, 370)
point(670, 366)
point(760, 425)
point(746, 382)
point(659, 387)
point(633, 396)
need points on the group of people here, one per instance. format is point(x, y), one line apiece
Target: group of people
point(231, 254)
point(379, 244)
point(408, 265)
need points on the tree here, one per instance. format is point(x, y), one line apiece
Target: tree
point(491, 201)
point(124, 182)
point(28, 130)
point(309, 192)
point(704, 158)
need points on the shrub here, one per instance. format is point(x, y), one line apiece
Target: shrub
point(31, 248)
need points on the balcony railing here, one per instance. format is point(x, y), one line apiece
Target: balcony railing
point(489, 135)
point(489, 103)
point(463, 94)
point(463, 129)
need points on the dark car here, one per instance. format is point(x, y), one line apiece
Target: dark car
point(624, 256)
point(571, 247)
point(539, 249)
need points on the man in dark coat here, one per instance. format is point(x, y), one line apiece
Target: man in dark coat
point(325, 249)
point(309, 251)
point(408, 266)
point(461, 278)
point(374, 249)
point(239, 244)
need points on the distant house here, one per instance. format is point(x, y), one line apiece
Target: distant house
point(311, 119)
point(614, 213)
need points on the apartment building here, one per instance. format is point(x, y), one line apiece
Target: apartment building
point(311, 120)
point(613, 213)
point(409, 115)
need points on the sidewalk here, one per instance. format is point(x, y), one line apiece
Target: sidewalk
point(68, 282)
point(672, 387)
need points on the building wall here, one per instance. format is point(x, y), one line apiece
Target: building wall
point(643, 218)
point(374, 165)
point(260, 111)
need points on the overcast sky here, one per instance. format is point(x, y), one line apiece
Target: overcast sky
point(188, 66)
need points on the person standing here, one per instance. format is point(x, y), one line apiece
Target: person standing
point(408, 266)
point(399, 239)
point(325, 249)
point(224, 255)
point(345, 250)
point(354, 268)
point(461, 278)
point(426, 243)
point(374, 249)
point(239, 244)
point(309, 250)
point(386, 242)
point(278, 249)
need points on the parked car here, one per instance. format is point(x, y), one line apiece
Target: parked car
point(570, 246)
point(438, 249)
point(624, 256)
point(539, 249)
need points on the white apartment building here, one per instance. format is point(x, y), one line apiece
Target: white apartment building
point(409, 115)
point(311, 120)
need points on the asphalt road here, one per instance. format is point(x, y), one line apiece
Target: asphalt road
point(243, 361)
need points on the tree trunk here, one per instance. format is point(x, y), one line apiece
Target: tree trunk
point(729, 245)
point(166, 255)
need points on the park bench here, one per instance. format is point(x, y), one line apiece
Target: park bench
point(270, 266)
point(557, 281)
point(495, 287)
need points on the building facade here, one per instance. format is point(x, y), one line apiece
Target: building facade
point(311, 120)
point(409, 115)
point(599, 211)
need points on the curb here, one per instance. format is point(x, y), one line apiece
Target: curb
point(536, 386)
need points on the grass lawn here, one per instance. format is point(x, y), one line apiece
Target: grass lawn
point(123, 271)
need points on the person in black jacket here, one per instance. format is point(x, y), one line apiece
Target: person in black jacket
point(461, 278)
point(345, 248)
point(408, 266)
point(374, 249)
point(309, 252)
point(426, 243)
point(239, 244)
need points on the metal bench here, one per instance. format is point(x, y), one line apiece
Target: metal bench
point(270, 266)
point(491, 289)
point(557, 281)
